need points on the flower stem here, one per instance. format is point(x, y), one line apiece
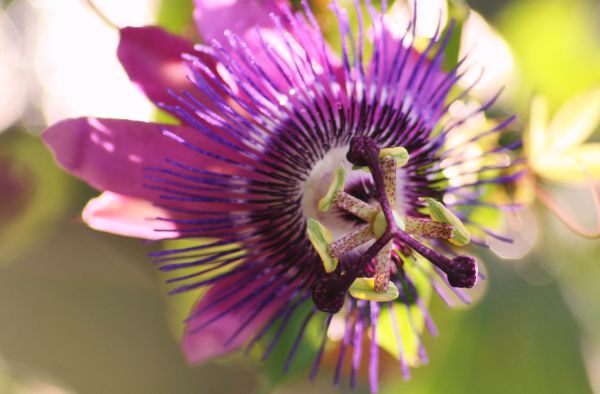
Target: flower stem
point(100, 14)
point(546, 199)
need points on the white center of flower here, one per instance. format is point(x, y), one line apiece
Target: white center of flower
point(317, 184)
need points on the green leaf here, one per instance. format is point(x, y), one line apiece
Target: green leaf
point(458, 11)
point(556, 46)
point(175, 15)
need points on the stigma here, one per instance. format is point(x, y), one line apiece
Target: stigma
point(390, 233)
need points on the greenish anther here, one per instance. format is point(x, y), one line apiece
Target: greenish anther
point(439, 213)
point(320, 237)
point(336, 186)
point(399, 153)
point(364, 289)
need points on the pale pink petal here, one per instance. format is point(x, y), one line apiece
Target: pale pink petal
point(128, 216)
point(114, 155)
point(210, 341)
point(522, 228)
point(489, 60)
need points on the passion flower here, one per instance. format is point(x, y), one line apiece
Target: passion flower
point(317, 178)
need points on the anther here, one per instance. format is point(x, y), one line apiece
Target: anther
point(320, 237)
point(364, 289)
point(336, 186)
point(439, 213)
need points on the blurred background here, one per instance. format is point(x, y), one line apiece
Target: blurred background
point(85, 312)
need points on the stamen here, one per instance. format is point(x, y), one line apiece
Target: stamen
point(386, 227)
point(101, 15)
point(439, 213)
point(546, 199)
point(382, 267)
point(398, 153)
point(428, 228)
point(320, 237)
point(355, 206)
point(336, 186)
point(364, 289)
point(351, 241)
point(389, 178)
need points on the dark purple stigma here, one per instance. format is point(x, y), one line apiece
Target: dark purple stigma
point(463, 272)
point(329, 293)
point(360, 149)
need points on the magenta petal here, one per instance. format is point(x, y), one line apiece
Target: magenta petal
point(253, 22)
point(202, 341)
point(112, 154)
point(213, 17)
point(152, 59)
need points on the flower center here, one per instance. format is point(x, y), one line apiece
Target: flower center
point(385, 232)
point(358, 184)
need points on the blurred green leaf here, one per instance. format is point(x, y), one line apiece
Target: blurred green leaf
point(458, 11)
point(175, 15)
point(519, 339)
point(17, 379)
point(556, 45)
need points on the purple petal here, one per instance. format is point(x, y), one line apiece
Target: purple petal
point(114, 155)
point(261, 27)
point(152, 59)
point(213, 17)
point(202, 341)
